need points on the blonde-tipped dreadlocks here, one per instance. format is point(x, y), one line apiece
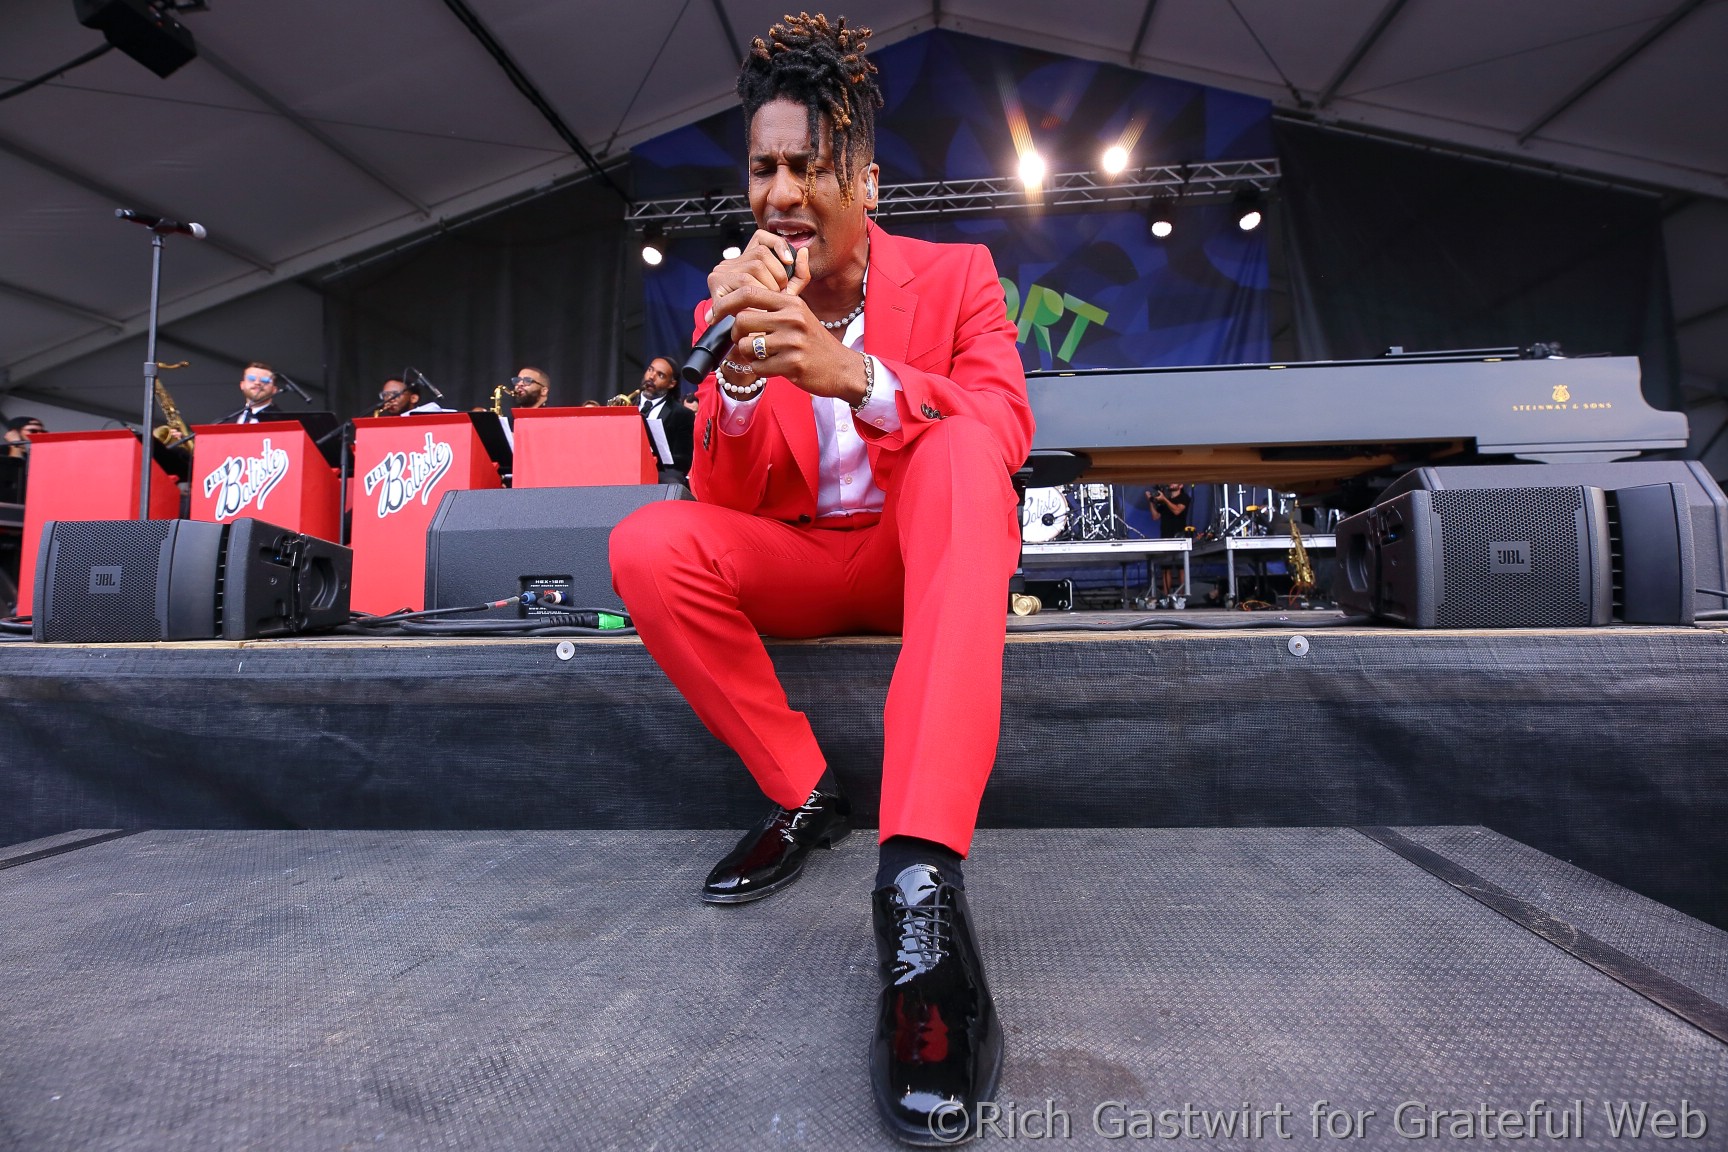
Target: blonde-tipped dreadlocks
point(821, 66)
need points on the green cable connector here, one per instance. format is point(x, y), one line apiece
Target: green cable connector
point(610, 622)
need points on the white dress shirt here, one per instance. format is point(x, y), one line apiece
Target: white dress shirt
point(845, 484)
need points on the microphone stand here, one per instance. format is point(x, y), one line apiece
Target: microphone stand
point(150, 372)
point(346, 431)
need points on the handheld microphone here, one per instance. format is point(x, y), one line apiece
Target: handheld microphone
point(707, 350)
point(715, 340)
point(161, 225)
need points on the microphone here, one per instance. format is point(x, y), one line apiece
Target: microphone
point(420, 378)
point(282, 377)
point(715, 340)
point(707, 350)
point(161, 225)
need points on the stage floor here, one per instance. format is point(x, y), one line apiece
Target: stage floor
point(566, 990)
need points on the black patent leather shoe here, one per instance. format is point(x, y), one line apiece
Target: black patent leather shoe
point(772, 854)
point(938, 1046)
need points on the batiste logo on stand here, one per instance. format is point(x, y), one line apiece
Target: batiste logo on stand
point(401, 476)
point(242, 480)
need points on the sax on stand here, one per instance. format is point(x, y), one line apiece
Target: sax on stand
point(174, 434)
point(1301, 568)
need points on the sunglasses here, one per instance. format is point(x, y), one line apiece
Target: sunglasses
point(392, 395)
point(514, 380)
point(254, 379)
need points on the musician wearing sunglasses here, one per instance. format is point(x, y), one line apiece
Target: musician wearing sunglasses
point(398, 398)
point(530, 388)
point(258, 386)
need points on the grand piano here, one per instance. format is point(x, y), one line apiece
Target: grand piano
point(1307, 427)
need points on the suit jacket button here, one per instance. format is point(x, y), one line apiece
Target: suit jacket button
point(803, 519)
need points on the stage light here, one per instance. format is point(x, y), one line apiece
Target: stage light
point(653, 245)
point(1031, 168)
point(1115, 159)
point(1161, 221)
point(1250, 210)
point(734, 242)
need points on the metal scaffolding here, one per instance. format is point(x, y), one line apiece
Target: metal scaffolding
point(1206, 182)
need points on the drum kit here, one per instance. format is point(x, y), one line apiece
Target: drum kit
point(1071, 512)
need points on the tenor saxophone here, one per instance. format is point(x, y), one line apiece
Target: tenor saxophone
point(624, 398)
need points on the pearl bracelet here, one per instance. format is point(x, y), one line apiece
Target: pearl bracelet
point(738, 391)
point(869, 383)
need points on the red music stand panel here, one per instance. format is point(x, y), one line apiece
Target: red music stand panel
point(572, 447)
point(271, 471)
point(403, 465)
point(85, 476)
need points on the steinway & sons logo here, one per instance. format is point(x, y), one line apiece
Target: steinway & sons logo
point(242, 480)
point(1563, 402)
point(401, 476)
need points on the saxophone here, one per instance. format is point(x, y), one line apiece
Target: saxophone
point(624, 398)
point(174, 434)
point(498, 395)
point(1301, 568)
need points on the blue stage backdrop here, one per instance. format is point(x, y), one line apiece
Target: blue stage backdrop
point(1089, 289)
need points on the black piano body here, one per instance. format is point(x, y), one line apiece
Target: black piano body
point(1312, 426)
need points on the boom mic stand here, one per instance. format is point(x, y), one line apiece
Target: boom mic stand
point(159, 228)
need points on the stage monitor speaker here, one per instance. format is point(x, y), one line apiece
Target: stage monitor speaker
point(117, 581)
point(144, 31)
point(1646, 565)
point(487, 544)
point(1482, 558)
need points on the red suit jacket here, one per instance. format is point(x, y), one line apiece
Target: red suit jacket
point(934, 314)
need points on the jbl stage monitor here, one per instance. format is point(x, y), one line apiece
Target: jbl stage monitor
point(1489, 558)
point(109, 581)
point(1701, 504)
point(490, 543)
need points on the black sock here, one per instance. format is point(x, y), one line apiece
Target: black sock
point(898, 853)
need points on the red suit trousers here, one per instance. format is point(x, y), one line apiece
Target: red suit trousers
point(703, 583)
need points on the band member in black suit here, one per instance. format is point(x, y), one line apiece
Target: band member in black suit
point(671, 425)
point(258, 385)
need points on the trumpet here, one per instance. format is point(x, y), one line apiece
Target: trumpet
point(624, 398)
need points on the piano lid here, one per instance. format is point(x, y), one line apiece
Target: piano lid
point(1310, 422)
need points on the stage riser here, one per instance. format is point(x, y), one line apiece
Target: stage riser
point(1602, 748)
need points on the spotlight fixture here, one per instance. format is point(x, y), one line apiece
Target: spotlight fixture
point(1115, 159)
point(1161, 221)
point(1032, 168)
point(734, 242)
point(1250, 209)
point(653, 245)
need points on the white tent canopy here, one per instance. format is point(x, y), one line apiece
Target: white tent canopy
point(307, 133)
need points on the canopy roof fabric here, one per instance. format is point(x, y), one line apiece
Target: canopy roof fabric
point(307, 134)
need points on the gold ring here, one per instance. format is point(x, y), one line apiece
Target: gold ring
point(759, 346)
point(721, 291)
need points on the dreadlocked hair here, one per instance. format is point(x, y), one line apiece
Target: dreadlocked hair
point(821, 66)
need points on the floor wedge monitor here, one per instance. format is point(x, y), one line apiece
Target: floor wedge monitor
point(1483, 558)
point(484, 545)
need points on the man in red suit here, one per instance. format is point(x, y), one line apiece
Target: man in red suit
point(852, 472)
